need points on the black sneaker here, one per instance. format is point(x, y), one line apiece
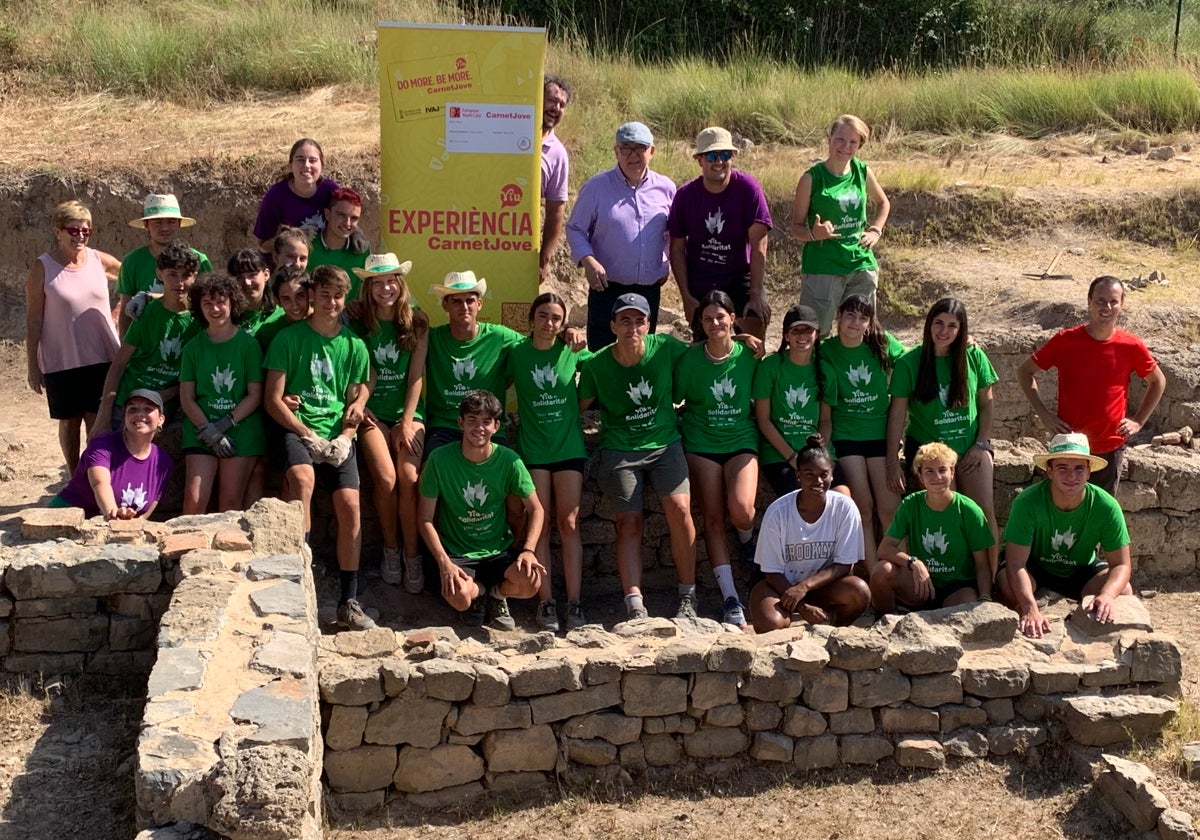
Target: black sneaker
point(547, 616)
point(473, 615)
point(498, 615)
point(575, 618)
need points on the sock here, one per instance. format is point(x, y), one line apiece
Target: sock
point(349, 586)
point(724, 576)
point(634, 602)
point(744, 536)
point(687, 589)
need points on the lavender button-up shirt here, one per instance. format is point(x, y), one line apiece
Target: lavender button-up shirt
point(623, 227)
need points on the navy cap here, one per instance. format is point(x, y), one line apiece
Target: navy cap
point(631, 300)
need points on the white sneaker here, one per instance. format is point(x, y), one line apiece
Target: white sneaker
point(392, 567)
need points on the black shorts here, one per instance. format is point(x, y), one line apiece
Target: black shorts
point(738, 289)
point(486, 571)
point(860, 448)
point(723, 458)
point(578, 465)
point(329, 477)
point(1070, 586)
point(75, 392)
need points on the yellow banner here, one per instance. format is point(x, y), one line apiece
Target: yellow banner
point(460, 141)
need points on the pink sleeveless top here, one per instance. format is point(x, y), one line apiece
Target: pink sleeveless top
point(77, 326)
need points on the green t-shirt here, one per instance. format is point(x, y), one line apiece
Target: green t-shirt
point(942, 539)
point(471, 520)
point(272, 327)
point(547, 401)
point(343, 258)
point(221, 373)
point(453, 368)
point(718, 414)
point(795, 402)
point(391, 363)
point(933, 421)
point(320, 370)
point(1064, 540)
point(841, 199)
point(636, 413)
point(255, 320)
point(157, 339)
point(139, 271)
point(856, 389)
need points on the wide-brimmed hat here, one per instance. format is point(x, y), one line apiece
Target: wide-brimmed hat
point(460, 283)
point(381, 265)
point(1071, 445)
point(631, 300)
point(146, 394)
point(161, 207)
point(715, 139)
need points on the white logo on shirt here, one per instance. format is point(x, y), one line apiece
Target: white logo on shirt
point(640, 392)
point(463, 369)
point(321, 368)
point(1065, 539)
point(715, 222)
point(937, 540)
point(170, 348)
point(944, 394)
point(223, 380)
point(545, 377)
point(723, 389)
point(860, 375)
point(385, 353)
point(848, 199)
point(475, 495)
point(132, 497)
point(796, 396)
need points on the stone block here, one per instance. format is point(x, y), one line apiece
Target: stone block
point(45, 524)
point(816, 753)
point(231, 539)
point(353, 804)
point(685, 656)
point(771, 746)
point(879, 687)
point(552, 707)
point(905, 719)
point(852, 722)
point(59, 635)
point(1000, 678)
point(827, 691)
point(966, 743)
point(1032, 707)
point(800, 722)
point(419, 770)
point(730, 653)
point(999, 710)
point(6, 606)
point(592, 752)
point(1191, 761)
point(280, 598)
point(955, 717)
point(55, 607)
point(128, 633)
point(345, 728)
point(282, 710)
point(645, 695)
point(476, 720)
point(916, 647)
point(1174, 824)
point(1131, 791)
point(1106, 673)
point(521, 749)
point(855, 649)
point(446, 679)
point(1101, 721)
point(662, 750)
point(632, 757)
point(769, 679)
point(361, 769)
point(1054, 677)
point(722, 742)
point(545, 676)
point(925, 753)
point(1128, 614)
point(515, 783)
point(174, 545)
point(731, 715)
point(285, 654)
point(656, 627)
point(118, 663)
point(282, 566)
point(199, 606)
point(367, 644)
point(602, 668)
point(44, 663)
point(865, 749)
point(349, 682)
point(936, 690)
point(403, 720)
point(609, 726)
point(761, 715)
point(670, 724)
point(66, 570)
point(396, 674)
point(983, 622)
point(274, 526)
point(491, 687)
point(451, 797)
point(710, 690)
point(165, 760)
point(807, 657)
point(1155, 658)
point(1014, 738)
point(176, 669)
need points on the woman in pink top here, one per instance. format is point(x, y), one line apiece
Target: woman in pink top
point(70, 338)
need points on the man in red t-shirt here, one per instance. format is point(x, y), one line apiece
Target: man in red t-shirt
point(1094, 362)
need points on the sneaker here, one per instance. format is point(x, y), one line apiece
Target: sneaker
point(351, 616)
point(575, 618)
point(687, 607)
point(733, 612)
point(634, 613)
point(392, 567)
point(498, 615)
point(547, 616)
point(473, 615)
point(748, 549)
point(414, 575)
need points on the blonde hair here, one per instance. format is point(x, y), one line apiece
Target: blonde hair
point(69, 211)
point(934, 453)
point(864, 133)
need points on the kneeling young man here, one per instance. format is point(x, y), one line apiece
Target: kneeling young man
point(935, 552)
point(462, 518)
point(1056, 533)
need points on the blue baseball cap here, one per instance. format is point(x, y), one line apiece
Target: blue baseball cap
point(631, 300)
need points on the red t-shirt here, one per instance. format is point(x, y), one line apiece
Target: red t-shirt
point(1093, 380)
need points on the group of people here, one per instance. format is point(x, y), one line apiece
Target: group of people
point(306, 357)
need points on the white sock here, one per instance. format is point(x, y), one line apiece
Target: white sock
point(724, 576)
point(634, 602)
point(744, 536)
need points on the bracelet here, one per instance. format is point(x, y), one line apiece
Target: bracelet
point(985, 597)
point(793, 456)
point(876, 229)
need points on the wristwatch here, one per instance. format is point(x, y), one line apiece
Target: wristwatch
point(986, 446)
point(912, 558)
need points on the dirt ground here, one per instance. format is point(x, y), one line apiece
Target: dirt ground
point(66, 765)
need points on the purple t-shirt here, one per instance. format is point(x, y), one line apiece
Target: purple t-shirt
point(716, 227)
point(136, 484)
point(281, 206)
point(555, 168)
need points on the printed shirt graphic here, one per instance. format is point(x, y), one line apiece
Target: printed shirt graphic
point(1061, 540)
point(139, 271)
point(157, 338)
point(547, 402)
point(842, 200)
point(636, 413)
point(221, 373)
point(795, 403)
point(856, 389)
point(796, 549)
point(320, 370)
point(933, 421)
point(135, 483)
point(471, 519)
point(390, 364)
point(718, 413)
point(453, 368)
point(942, 539)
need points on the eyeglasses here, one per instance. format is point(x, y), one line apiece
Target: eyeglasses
point(78, 231)
point(723, 157)
point(631, 149)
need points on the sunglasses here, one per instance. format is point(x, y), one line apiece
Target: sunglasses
point(78, 231)
point(723, 157)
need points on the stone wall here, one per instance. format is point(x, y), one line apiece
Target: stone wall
point(438, 719)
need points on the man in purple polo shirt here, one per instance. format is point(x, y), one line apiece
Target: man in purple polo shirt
point(556, 94)
point(618, 232)
point(719, 224)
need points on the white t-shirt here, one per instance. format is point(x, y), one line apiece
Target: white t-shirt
point(796, 549)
